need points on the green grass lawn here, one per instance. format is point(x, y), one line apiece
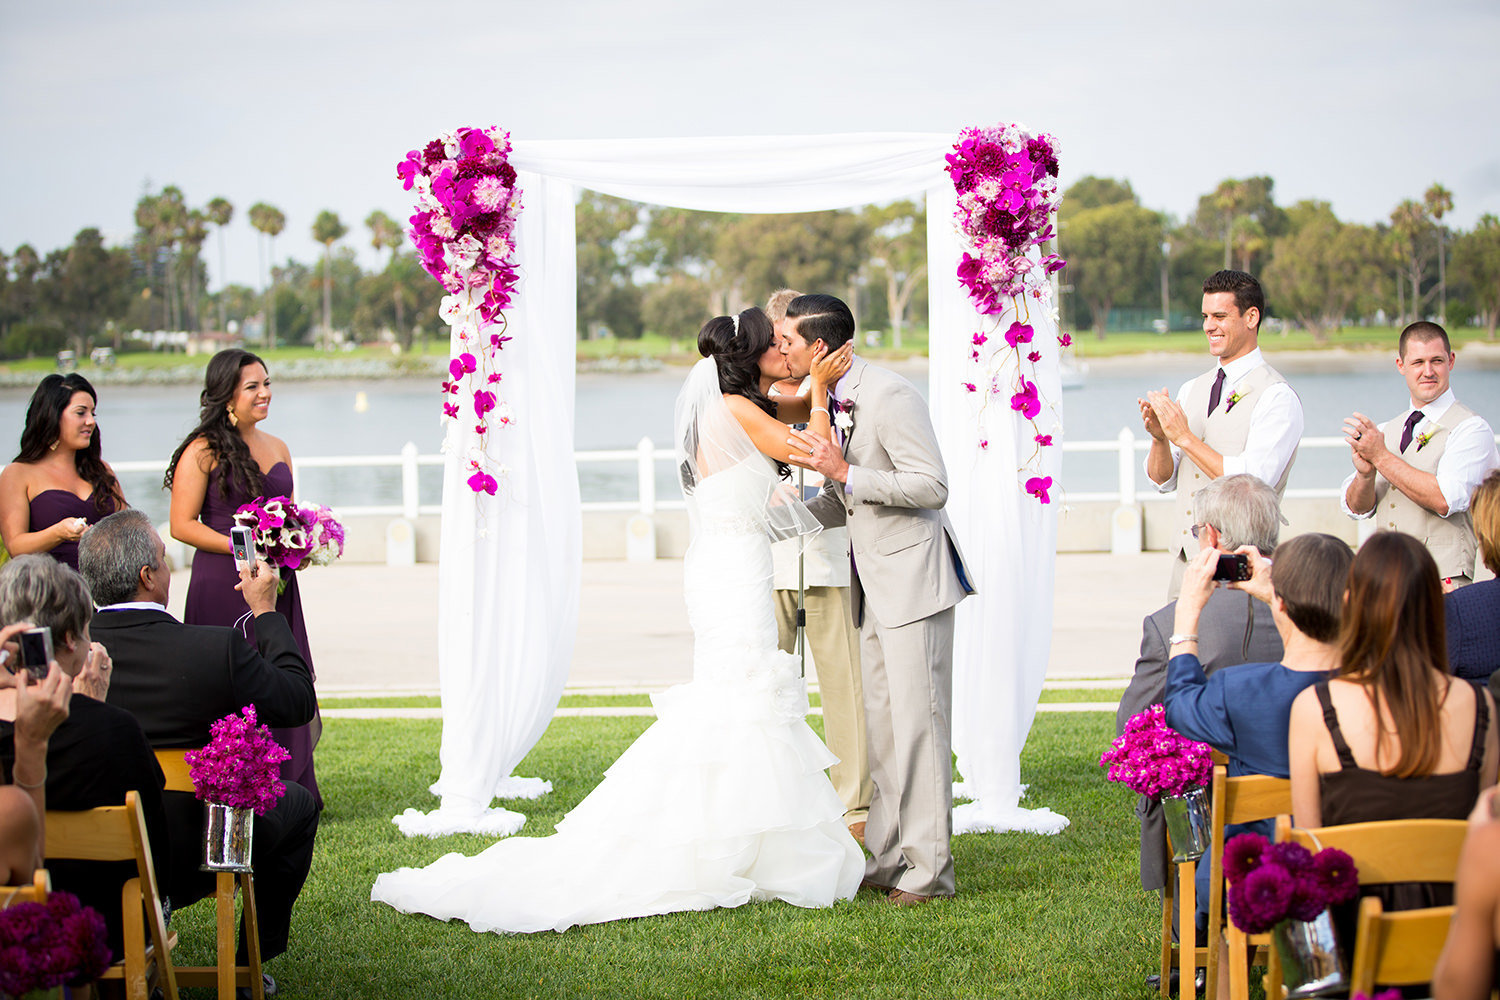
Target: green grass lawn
point(1035, 917)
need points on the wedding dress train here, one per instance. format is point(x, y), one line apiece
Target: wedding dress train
point(723, 800)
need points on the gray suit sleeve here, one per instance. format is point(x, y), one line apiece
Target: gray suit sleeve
point(1149, 683)
point(918, 478)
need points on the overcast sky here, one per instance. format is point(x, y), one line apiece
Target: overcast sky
point(309, 104)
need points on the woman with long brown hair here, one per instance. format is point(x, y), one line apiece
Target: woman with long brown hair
point(225, 462)
point(59, 483)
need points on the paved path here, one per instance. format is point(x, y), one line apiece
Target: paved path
point(374, 628)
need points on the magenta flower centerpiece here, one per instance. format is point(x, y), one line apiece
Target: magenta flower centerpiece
point(47, 945)
point(1005, 179)
point(468, 203)
point(1152, 759)
point(237, 776)
point(1287, 890)
point(289, 535)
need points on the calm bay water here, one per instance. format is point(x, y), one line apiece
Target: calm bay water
point(616, 410)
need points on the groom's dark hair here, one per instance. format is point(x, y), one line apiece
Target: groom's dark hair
point(821, 317)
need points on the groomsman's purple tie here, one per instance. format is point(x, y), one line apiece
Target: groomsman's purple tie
point(1411, 425)
point(1216, 392)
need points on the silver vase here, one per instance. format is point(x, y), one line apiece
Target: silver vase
point(227, 835)
point(1188, 823)
point(1309, 953)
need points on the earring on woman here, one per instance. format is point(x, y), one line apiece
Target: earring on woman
point(234, 421)
point(52, 446)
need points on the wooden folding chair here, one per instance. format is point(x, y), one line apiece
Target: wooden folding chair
point(34, 892)
point(1402, 948)
point(226, 974)
point(1244, 799)
point(1181, 892)
point(118, 833)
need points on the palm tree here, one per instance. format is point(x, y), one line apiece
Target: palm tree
point(385, 234)
point(1439, 203)
point(269, 221)
point(328, 229)
point(219, 211)
point(194, 234)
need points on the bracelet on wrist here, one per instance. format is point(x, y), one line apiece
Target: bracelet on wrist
point(820, 409)
point(16, 780)
point(1176, 638)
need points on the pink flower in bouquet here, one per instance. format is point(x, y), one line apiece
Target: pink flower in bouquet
point(240, 765)
point(1153, 759)
point(47, 945)
point(1269, 883)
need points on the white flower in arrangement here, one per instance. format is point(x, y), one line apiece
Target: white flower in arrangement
point(843, 420)
point(293, 538)
point(504, 414)
point(442, 226)
point(454, 309)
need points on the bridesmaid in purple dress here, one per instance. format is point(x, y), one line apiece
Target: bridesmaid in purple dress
point(59, 484)
point(228, 461)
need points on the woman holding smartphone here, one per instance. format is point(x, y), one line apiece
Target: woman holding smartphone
point(226, 462)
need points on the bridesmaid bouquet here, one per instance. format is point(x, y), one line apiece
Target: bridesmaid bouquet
point(1269, 883)
point(1151, 758)
point(292, 535)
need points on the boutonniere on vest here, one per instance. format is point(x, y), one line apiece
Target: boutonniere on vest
point(1426, 435)
point(1234, 397)
point(843, 414)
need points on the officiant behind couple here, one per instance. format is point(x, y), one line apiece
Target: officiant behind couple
point(723, 800)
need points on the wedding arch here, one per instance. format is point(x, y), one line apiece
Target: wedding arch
point(510, 559)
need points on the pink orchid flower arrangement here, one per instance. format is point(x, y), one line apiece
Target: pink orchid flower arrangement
point(240, 766)
point(291, 535)
point(1269, 883)
point(1006, 179)
point(47, 945)
point(468, 203)
point(1151, 758)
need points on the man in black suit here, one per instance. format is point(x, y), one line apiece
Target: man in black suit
point(177, 680)
point(1234, 628)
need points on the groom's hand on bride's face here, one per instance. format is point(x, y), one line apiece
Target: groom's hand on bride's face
point(819, 454)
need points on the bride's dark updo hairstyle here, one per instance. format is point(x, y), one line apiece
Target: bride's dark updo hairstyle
point(238, 471)
point(736, 344)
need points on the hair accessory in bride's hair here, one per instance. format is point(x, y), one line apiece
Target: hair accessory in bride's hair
point(735, 319)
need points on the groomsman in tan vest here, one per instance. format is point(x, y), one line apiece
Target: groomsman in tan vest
point(1417, 471)
point(1240, 416)
point(829, 630)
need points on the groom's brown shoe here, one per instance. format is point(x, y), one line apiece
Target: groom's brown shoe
point(884, 890)
point(900, 897)
point(857, 831)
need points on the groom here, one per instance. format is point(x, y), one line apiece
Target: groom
point(886, 480)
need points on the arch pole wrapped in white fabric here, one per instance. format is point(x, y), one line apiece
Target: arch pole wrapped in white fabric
point(510, 565)
point(1003, 635)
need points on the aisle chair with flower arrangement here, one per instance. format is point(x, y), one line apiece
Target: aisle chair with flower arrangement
point(34, 891)
point(1242, 799)
point(226, 975)
point(118, 833)
point(1400, 948)
point(1152, 759)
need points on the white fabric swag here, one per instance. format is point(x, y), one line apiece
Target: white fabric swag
point(511, 564)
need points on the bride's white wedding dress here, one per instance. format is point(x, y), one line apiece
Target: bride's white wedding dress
point(723, 800)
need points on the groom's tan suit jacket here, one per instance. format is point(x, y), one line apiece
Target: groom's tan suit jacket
point(906, 561)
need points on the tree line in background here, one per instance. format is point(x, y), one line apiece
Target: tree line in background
point(648, 269)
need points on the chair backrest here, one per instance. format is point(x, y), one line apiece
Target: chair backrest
point(175, 766)
point(118, 833)
point(1242, 799)
point(1395, 850)
point(1397, 949)
point(34, 892)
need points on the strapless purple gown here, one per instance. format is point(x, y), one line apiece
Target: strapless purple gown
point(212, 600)
point(50, 506)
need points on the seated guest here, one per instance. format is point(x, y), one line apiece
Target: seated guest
point(1467, 969)
point(1232, 511)
point(177, 680)
point(99, 752)
point(1473, 612)
point(1392, 735)
point(1243, 710)
point(40, 707)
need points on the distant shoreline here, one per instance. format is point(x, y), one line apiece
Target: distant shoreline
point(1334, 360)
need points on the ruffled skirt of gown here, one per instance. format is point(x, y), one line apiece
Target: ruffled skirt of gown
point(721, 801)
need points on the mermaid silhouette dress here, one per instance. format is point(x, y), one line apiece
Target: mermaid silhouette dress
point(212, 600)
point(50, 506)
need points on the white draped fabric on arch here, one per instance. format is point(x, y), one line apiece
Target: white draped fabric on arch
point(511, 564)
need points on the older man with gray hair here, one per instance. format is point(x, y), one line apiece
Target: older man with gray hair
point(1234, 628)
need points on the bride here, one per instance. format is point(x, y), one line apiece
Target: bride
point(723, 799)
